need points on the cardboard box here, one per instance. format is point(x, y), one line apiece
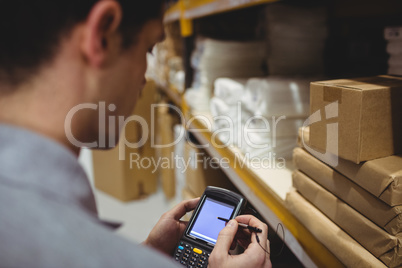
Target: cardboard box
point(187, 195)
point(369, 117)
point(119, 178)
point(381, 177)
point(384, 246)
point(166, 123)
point(303, 137)
point(385, 216)
point(345, 248)
point(202, 171)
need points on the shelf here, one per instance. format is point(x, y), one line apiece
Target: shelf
point(200, 8)
point(171, 93)
point(172, 14)
point(266, 190)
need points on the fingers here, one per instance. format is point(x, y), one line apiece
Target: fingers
point(253, 221)
point(225, 238)
point(181, 209)
point(243, 237)
point(261, 256)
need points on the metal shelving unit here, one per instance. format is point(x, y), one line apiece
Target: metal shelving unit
point(266, 189)
point(199, 8)
point(173, 13)
point(171, 93)
point(187, 10)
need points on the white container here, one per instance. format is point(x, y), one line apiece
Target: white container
point(229, 90)
point(278, 96)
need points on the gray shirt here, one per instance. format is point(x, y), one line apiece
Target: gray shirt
point(48, 214)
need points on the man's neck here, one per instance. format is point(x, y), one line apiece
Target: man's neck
point(28, 106)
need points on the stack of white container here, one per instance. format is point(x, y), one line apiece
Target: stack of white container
point(231, 59)
point(228, 112)
point(212, 59)
point(279, 106)
point(394, 48)
point(296, 39)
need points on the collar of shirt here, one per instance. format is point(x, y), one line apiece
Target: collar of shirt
point(29, 160)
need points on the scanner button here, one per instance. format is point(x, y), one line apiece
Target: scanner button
point(198, 251)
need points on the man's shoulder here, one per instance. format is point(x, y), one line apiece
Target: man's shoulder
point(45, 232)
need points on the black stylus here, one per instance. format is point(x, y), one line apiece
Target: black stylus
point(251, 228)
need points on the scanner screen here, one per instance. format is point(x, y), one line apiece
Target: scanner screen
point(207, 226)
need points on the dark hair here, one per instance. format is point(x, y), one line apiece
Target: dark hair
point(31, 30)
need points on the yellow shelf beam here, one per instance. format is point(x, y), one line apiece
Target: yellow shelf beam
point(172, 14)
point(200, 8)
point(171, 93)
point(187, 10)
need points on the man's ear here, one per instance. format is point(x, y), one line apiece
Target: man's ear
point(101, 32)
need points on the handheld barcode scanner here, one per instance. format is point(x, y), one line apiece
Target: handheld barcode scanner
point(201, 234)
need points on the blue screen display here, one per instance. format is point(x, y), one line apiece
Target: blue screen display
point(207, 226)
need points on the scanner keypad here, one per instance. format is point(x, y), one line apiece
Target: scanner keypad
point(190, 256)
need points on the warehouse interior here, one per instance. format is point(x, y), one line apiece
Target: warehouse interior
point(296, 106)
point(264, 60)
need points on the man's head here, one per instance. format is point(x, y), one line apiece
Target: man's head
point(72, 52)
point(32, 30)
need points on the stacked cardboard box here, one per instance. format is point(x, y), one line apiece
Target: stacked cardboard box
point(167, 119)
point(186, 194)
point(124, 179)
point(348, 168)
point(202, 170)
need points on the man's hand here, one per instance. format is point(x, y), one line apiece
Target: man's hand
point(169, 229)
point(253, 256)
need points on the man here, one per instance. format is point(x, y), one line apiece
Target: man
point(55, 56)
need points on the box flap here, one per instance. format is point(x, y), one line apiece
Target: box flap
point(364, 83)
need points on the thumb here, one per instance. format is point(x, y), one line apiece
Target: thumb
point(226, 237)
